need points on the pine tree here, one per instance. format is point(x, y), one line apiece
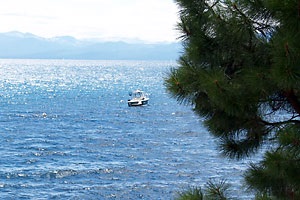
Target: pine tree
point(240, 70)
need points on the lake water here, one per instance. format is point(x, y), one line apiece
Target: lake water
point(66, 132)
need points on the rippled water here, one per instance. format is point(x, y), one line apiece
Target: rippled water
point(66, 132)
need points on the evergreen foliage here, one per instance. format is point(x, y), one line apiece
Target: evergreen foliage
point(191, 194)
point(212, 191)
point(240, 70)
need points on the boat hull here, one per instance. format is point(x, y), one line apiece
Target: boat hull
point(137, 103)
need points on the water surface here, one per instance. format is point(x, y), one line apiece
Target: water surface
point(66, 132)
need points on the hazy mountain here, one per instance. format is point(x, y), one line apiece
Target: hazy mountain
point(26, 45)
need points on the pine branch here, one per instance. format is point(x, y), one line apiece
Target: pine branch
point(217, 190)
point(290, 121)
point(293, 100)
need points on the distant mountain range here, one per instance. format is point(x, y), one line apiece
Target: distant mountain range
point(29, 46)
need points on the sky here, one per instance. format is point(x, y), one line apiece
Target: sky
point(127, 20)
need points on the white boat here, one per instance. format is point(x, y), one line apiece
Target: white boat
point(138, 98)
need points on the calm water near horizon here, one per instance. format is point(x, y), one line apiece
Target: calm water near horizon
point(66, 132)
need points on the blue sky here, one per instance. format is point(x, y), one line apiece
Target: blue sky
point(146, 20)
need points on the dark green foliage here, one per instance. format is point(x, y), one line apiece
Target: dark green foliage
point(263, 196)
point(191, 194)
point(278, 173)
point(216, 191)
point(240, 70)
point(212, 191)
